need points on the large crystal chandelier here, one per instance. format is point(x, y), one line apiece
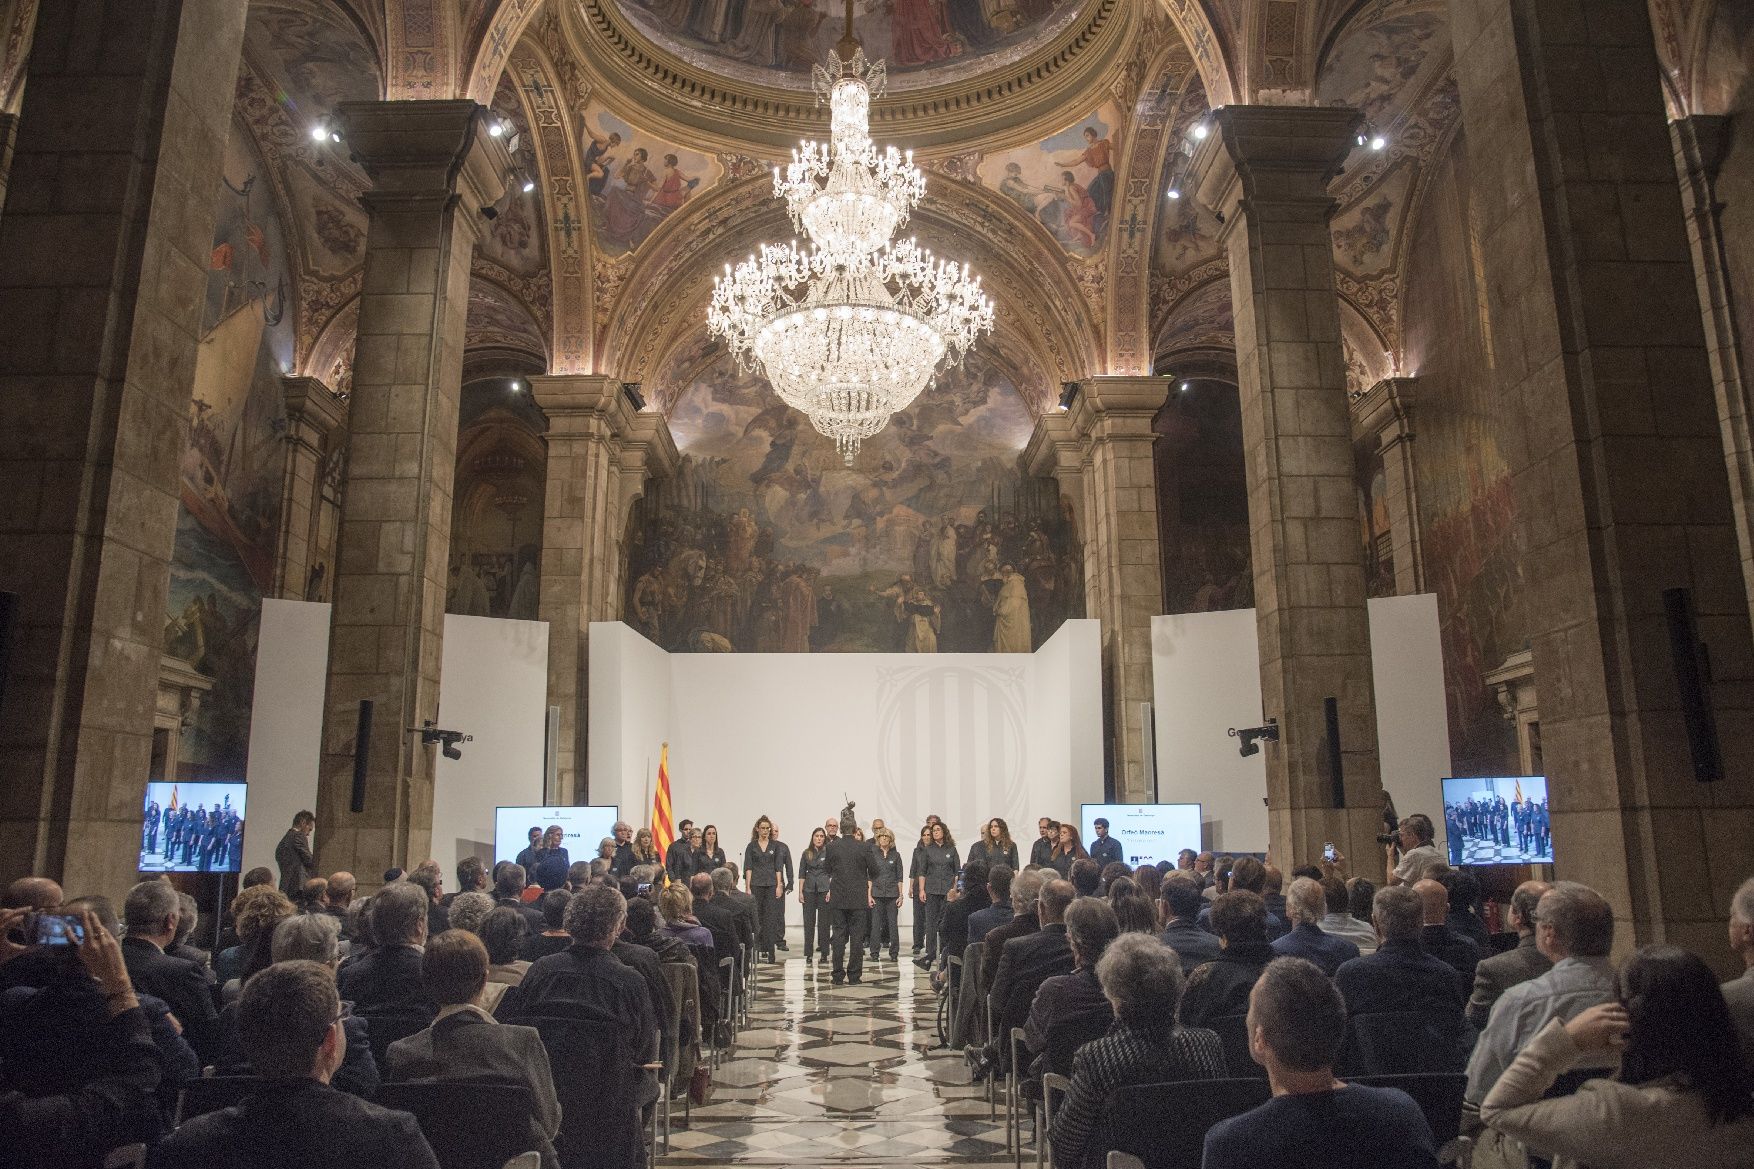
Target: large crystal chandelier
point(852, 328)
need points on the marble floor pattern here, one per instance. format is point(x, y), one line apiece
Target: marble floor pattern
point(846, 1075)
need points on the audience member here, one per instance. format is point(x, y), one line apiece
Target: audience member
point(953, 922)
point(471, 878)
point(1306, 905)
point(643, 961)
point(1682, 1096)
point(508, 891)
point(1024, 920)
point(1142, 980)
point(289, 1020)
point(385, 983)
point(578, 875)
point(181, 1064)
point(1416, 848)
point(180, 946)
point(676, 904)
point(1438, 938)
point(1111, 872)
point(1574, 927)
point(741, 904)
point(715, 916)
point(553, 938)
point(1024, 964)
point(1221, 987)
point(465, 1042)
point(55, 1111)
point(1401, 982)
point(1296, 1024)
point(469, 911)
point(998, 910)
point(150, 913)
point(1739, 991)
point(1498, 973)
point(1273, 895)
point(1464, 910)
point(1248, 875)
point(503, 934)
point(428, 877)
point(1086, 877)
point(342, 886)
point(1068, 998)
point(1133, 910)
point(1339, 921)
point(256, 911)
point(1361, 896)
point(1182, 903)
point(314, 897)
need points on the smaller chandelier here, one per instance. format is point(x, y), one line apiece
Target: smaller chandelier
point(850, 330)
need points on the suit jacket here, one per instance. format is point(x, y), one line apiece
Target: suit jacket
point(296, 1124)
point(851, 869)
point(593, 978)
point(1400, 976)
point(1193, 945)
point(533, 918)
point(1025, 964)
point(384, 981)
point(721, 923)
point(954, 926)
point(438, 919)
point(1020, 925)
point(181, 984)
point(983, 921)
point(1459, 952)
point(1310, 941)
point(1221, 987)
point(468, 1045)
point(742, 907)
point(1063, 997)
point(643, 961)
point(296, 863)
point(1497, 974)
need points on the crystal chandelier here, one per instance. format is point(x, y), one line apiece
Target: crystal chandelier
point(851, 329)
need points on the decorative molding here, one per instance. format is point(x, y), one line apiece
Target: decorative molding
point(569, 308)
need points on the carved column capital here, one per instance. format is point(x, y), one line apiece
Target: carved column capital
point(423, 154)
point(1386, 410)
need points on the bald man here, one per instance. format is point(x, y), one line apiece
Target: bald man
point(1439, 940)
point(38, 893)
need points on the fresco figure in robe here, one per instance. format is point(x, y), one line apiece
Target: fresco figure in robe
point(1011, 614)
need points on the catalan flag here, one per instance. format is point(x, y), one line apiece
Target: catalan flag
point(173, 806)
point(1519, 792)
point(663, 828)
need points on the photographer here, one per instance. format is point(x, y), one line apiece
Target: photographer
point(1414, 844)
point(61, 1111)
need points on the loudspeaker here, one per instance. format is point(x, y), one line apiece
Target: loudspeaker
point(1693, 681)
point(1336, 769)
point(8, 619)
point(362, 748)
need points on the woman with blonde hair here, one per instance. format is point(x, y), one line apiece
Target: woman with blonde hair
point(886, 892)
point(676, 907)
point(645, 850)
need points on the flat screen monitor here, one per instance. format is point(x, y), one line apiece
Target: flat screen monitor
point(584, 827)
point(1148, 832)
point(193, 828)
point(1497, 821)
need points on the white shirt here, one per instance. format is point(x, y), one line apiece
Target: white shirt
point(1416, 859)
point(1571, 987)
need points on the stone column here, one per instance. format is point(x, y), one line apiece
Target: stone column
point(1611, 429)
point(8, 130)
point(103, 261)
point(434, 167)
point(1700, 142)
point(313, 413)
point(1385, 412)
point(1265, 171)
point(1112, 417)
point(598, 448)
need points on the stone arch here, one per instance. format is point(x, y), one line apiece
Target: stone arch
point(1212, 53)
point(420, 61)
point(489, 56)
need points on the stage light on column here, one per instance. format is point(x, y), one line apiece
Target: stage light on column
point(1174, 193)
point(1186, 386)
point(495, 127)
point(529, 184)
point(319, 133)
point(1201, 129)
point(1378, 142)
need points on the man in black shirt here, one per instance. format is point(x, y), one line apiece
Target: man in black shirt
point(851, 867)
point(679, 859)
point(1042, 851)
point(1105, 849)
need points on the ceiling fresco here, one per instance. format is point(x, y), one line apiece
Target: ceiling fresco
point(926, 42)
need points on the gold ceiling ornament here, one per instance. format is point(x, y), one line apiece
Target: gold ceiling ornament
point(854, 327)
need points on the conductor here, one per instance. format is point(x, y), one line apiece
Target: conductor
point(851, 865)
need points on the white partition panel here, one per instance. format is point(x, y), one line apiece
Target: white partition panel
point(1065, 726)
point(286, 723)
point(1206, 678)
point(629, 719)
point(1412, 719)
point(493, 684)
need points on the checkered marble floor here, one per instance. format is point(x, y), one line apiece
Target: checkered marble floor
point(828, 1075)
point(1482, 851)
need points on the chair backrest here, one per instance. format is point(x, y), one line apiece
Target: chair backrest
point(386, 1026)
point(1401, 1043)
point(598, 1085)
point(1165, 1125)
point(1066, 1036)
point(210, 1094)
point(1233, 1033)
point(470, 1124)
point(1439, 1096)
point(684, 1003)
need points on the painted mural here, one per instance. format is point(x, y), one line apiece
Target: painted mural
point(1373, 518)
point(1202, 500)
point(1065, 182)
point(932, 542)
point(945, 38)
point(497, 502)
point(636, 181)
point(227, 526)
point(516, 239)
point(1378, 63)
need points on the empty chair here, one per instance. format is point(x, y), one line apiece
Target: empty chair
point(601, 1089)
point(1164, 1126)
point(199, 1097)
point(470, 1125)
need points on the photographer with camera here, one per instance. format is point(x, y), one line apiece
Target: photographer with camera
point(1413, 842)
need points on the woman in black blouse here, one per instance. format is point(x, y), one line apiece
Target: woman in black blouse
point(813, 894)
point(1068, 849)
point(915, 867)
point(709, 855)
point(939, 865)
point(761, 875)
point(995, 845)
point(886, 892)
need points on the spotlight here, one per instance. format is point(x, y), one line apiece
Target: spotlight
point(1249, 739)
point(517, 386)
point(1377, 142)
point(495, 128)
point(1175, 192)
point(1186, 386)
point(334, 135)
point(529, 185)
point(1201, 129)
point(319, 133)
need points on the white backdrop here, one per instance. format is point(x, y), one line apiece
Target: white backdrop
point(1206, 678)
point(792, 736)
point(286, 723)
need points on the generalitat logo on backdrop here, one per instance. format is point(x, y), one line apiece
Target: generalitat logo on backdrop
point(950, 740)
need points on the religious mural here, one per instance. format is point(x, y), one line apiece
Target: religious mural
point(635, 181)
point(1202, 500)
point(1065, 182)
point(1377, 66)
point(952, 38)
point(1373, 518)
point(228, 522)
point(497, 503)
point(932, 542)
point(516, 238)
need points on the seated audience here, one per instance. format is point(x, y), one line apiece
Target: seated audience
point(1401, 980)
point(578, 875)
point(1464, 910)
point(181, 1064)
point(386, 983)
point(342, 886)
point(465, 1042)
point(1339, 920)
point(255, 912)
point(1067, 998)
point(1025, 964)
point(1682, 1095)
point(151, 913)
point(1739, 991)
point(1273, 897)
point(1142, 979)
point(289, 1020)
point(676, 905)
point(1086, 878)
point(471, 878)
point(1249, 875)
point(180, 946)
point(642, 960)
point(428, 876)
point(1133, 910)
point(741, 904)
point(1439, 939)
point(508, 891)
point(1111, 872)
point(1296, 1024)
point(1306, 905)
point(1025, 920)
point(1361, 898)
point(469, 911)
point(503, 934)
point(553, 938)
point(953, 923)
point(57, 1112)
point(1181, 901)
point(715, 914)
point(1221, 987)
point(1574, 926)
point(1500, 972)
point(314, 897)
point(998, 910)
